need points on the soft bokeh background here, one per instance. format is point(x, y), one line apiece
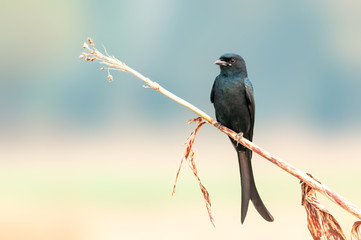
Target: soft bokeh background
point(81, 158)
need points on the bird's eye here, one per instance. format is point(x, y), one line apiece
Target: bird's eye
point(232, 60)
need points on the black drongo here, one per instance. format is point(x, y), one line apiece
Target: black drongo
point(233, 99)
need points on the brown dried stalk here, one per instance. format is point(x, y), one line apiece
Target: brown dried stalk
point(189, 157)
point(114, 64)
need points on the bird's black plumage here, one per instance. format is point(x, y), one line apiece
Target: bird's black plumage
point(233, 99)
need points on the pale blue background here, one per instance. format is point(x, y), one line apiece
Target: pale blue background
point(303, 59)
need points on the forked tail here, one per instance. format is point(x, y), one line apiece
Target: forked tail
point(249, 190)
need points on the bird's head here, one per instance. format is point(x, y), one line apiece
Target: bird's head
point(232, 63)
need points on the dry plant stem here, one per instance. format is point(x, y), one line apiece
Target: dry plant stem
point(114, 63)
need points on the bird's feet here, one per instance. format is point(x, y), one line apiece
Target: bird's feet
point(239, 137)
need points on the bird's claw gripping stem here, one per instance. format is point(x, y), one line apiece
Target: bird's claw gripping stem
point(239, 137)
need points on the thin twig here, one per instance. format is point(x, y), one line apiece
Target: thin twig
point(112, 62)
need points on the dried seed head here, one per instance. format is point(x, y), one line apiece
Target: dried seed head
point(102, 68)
point(85, 46)
point(90, 41)
point(110, 77)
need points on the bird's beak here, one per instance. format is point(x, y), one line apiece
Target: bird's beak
point(221, 63)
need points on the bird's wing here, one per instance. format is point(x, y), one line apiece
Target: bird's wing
point(212, 92)
point(251, 104)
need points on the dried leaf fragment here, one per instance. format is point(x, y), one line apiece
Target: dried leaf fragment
point(321, 224)
point(356, 231)
point(189, 157)
point(188, 151)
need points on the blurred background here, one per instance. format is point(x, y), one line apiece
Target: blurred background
point(81, 158)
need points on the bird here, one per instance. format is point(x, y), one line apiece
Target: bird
point(233, 98)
